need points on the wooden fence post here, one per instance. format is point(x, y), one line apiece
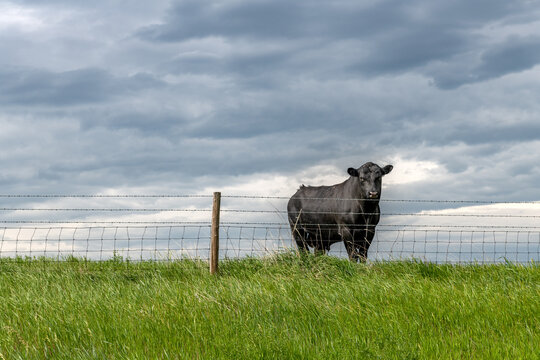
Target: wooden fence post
point(214, 241)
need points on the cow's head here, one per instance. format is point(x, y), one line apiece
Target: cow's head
point(370, 179)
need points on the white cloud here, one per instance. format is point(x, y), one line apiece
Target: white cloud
point(22, 18)
point(407, 171)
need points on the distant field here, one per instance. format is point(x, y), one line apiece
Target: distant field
point(278, 308)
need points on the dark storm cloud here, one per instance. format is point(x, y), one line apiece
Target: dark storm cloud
point(391, 36)
point(464, 130)
point(409, 49)
point(343, 19)
point(146, 122)
point(248, 65)
point(258, 19)
point(509, 133)
point(40, 87)
point(514, 55)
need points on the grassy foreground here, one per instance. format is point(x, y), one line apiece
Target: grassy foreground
point(280, 308)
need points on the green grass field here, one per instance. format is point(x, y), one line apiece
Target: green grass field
point(278, 308)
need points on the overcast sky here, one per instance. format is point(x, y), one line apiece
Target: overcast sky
point(257, 97)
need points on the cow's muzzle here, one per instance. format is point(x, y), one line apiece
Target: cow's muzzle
point(373, 194)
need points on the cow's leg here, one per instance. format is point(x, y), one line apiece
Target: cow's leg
point(348, 240)
point(351, 250)
point(299, 236)
point(362, 251)
point(322, 238)
point(366, 234)
point(302, 246)
point(319, 248)
point(364, 241)
point(326, 247)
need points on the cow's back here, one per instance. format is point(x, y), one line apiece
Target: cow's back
point(315, 204)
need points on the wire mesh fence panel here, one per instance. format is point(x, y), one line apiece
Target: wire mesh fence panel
point(457, 246)
point(158, 243)
point(239, 241)
point(170, 227)
point(437, 246)
point(428, 230)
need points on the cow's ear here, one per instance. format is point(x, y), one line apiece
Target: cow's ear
point(353, 172)
point(387, 169)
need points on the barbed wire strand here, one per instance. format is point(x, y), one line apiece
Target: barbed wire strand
point(104, 196)
point(245, 211)
point(202, 196)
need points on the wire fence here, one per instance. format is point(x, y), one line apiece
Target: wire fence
point(171, 227)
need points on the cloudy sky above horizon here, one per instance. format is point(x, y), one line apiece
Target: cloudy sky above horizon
point(256, 97)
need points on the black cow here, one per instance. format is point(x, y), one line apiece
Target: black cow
point(322, 215)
